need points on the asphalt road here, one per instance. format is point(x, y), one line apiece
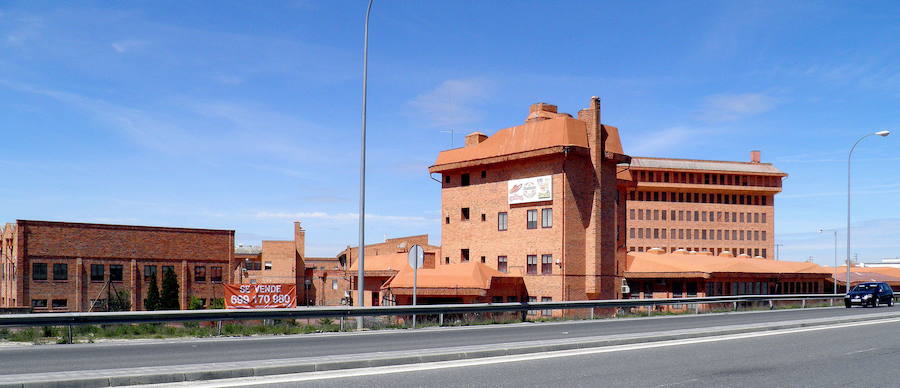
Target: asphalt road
point(83, 357)
point(857, 356)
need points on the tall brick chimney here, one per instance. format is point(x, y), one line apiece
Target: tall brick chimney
point(475, 138)
point(754, 156)
point(299, 239)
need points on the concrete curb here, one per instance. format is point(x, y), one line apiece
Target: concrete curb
point(426, 357)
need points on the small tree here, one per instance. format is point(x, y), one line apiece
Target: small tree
point(195, 303)
point(217, 303)
point(119, 301)
point(169, 294)
point(153, 301)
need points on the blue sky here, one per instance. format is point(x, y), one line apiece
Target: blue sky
point(245, 115)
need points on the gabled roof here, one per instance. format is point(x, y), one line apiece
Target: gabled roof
point(649, 264)
point(460, 275)
point(868, 274)
point(388, 262)
point(638, 163)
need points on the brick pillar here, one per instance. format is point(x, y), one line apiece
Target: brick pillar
point(185, 284)
point(135, 285)
point(79, 284)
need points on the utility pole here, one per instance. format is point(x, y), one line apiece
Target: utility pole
point(777, 251)
point(362, 175)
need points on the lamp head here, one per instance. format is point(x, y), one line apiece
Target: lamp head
point(821, 230)
point(883, 133)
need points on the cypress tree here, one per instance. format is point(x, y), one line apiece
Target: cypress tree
point(169, 294)
point(152, 302)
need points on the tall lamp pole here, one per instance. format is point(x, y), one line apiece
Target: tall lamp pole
point(362, 175)
point(849, 157)
point(833, 276)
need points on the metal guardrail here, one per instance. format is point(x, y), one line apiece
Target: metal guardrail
point(124, 317)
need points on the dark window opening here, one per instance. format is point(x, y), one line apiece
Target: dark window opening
point(39, 272)
point(532, 264)
point(532, 219)
point(464, 254)
point(60, 271)
point(483, 174)
point(465, 214)
point(96, 272)
point(215, 274)
point(149, 272)
point(200, 273)
point(502, 264)
point(464, 180)
point(60, 303)
point(447, 179)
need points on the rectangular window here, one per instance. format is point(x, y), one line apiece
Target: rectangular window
point(531, 219)
point(703, 235)
point(115, 273)
point(502, 264)
point(631, 214)
point(681, 234)
point(672, 215)
point(703, 214)
point(200, 273)
point(640, 232)
point(532, 299)
point(546, 218)
point(60, 303)
point(267, 266)
point(664, 215)
point(464, 255)
point(696, 218)
point(532, 264)
point(483, 174)
point(60, 271)
point(464, 180)
point(501, 221)
point(464, 214)
point(39, 303)
point(764, 217)
point(215, 274)
point(546, 264)
point(640, 214)
point(656, 233)
point(664, 233)
point(334, 284)
point(39, 272)
point(764, 236)
point(656, 215)
point(149, 272)
point(483, 259)
point(631, 233)
point(496, 299)
point(447, 179)
point(546, 312)
point(756, 218)
point(97, 272)
point(447, 220)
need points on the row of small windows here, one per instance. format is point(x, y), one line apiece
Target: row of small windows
point(707, 179)
point(696, 216)
point(728, 199)
point(56, 303)
point(531, 263)
point(61, 272)
point(761, 288)
point(464, 179)
point(698, 234)
point(761, 252)
point(531, 218)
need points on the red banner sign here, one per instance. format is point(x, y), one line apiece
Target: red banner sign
point(260, 296)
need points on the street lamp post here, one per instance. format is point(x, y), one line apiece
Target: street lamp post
point(362, 175)
point(833, 276)
point(849, 158)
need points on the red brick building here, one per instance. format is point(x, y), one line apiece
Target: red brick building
point(276, 262)
point(703, 205)
point(65, 266)
point(540, 200)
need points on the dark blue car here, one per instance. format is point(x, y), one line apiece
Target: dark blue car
point(870, 294)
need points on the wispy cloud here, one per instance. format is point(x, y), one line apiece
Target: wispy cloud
point(337, 216)
point(453, 102)
point(729, 107)
point(127, 45)
point(664, 141)
point(869, 190)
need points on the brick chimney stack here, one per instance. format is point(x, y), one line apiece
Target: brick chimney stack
point(541, 111)
point(754, 156)
point(475, 138)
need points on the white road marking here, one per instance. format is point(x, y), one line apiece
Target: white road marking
point(861, 351)
point(312, 376)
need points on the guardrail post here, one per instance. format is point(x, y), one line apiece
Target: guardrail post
point(696, 308)
point(592, 313)
point(650, 309)
point(70, 334)
point(733, 306)
point(342, 323)
point(803, 304)
point(441, 319)
point(771, 304)
point(218, 328)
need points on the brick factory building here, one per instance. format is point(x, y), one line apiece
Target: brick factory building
point(275, 262)
point(540, 200)
point(383, 261)
point(65, 266)
point(703, 205)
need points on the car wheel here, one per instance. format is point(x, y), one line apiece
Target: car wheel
point(847, 305)
point(891, 302)
point(874, 302)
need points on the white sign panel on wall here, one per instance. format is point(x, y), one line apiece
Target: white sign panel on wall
point(536, 189)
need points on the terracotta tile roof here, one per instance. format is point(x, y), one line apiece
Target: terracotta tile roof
point(531, 136)
point(868, 274)
point(459, 275)
point(644, 264)
point(388, 262)
point(703, 165)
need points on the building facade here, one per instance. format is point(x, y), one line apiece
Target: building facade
point(64, 266)
point(702, 205)
point(541, 200)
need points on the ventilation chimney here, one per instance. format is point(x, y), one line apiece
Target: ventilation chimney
point(541, 111)
point(754, 156)
point(475, 138)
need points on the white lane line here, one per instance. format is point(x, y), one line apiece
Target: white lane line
point(861, 351)
point(312, 376)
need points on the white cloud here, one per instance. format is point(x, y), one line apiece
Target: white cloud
point(729, 107)
point(127, 45)
point(337, 216)
point(664, 141)
point(453, 102)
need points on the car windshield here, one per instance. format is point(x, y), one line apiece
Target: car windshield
point(865, 287)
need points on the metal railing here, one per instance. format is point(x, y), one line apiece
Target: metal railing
point(126, 317)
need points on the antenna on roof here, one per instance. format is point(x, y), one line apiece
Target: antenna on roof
point(451, 132)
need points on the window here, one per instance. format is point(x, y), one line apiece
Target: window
point(96, 272)
point(483, 259)
point(764, 217)
point(483, 217)
point(483, 174)
point(149, 272)
point(532, 219)
point(60, 303)
point(532, 299)
point(447, 179)
point(501, 264)
point(334, 284)
point(200, 273)
point(546, 218)
point(512, 299)
point(465, 214)
point(39, 272)
point(464, 180)
point(532, 264)
point(60, 271)
point(546, 264)
point(267, 266)
point(447, 220)
point(756, 218)
point(496, 299)
point(631, 233)
point(631, 214)
point(546, 312)
point(764, 235)
point(501, 221)
point(39, 303)
point(464, 255)
point(115, 272)
point(215, 274)
point(447, 260)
